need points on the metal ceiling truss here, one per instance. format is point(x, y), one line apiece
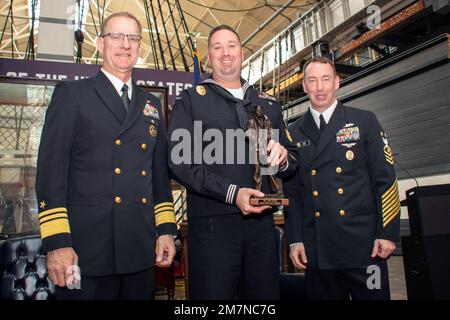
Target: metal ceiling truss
point(170, 32)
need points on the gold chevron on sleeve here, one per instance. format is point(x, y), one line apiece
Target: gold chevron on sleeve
point(390, 203)
point(164, 213)
point(388, 154)
point(53, 221)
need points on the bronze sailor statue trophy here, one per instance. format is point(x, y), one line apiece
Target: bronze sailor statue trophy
point(260, 132)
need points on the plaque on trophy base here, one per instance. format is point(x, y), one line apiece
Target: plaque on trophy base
point(270, 200)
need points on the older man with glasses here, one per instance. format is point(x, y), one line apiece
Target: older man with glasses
point(105, 203)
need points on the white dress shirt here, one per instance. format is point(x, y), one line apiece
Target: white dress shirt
point(326, 114)
point(118, 84)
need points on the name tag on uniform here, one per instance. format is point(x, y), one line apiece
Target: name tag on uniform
point(304, 143)
point(348, 136)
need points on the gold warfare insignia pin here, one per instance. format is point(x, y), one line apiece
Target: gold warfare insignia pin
point(152, 130)
point(350, 155)
point(288, 135)
point(200, 90)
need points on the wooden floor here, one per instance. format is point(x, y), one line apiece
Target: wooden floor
point(396, 279)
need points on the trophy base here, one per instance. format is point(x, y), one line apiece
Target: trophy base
point(270, 200)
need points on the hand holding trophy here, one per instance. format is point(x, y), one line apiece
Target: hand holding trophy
point(260, 131)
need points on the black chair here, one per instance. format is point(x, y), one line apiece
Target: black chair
point(292, 285)
point(23, 270)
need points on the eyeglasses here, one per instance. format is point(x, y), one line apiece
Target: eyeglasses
point(132, 38)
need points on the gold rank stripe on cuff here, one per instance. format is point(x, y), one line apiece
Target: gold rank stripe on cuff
point(164, 213)
point(168, 206)
point(390, 204)
point(163, 204)
point(165, 217)
point(53, 222)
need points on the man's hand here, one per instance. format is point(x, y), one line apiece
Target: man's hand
point(277, 154)
point(58, 262)
point(383, 248)
point(243, 201)
point(165, 250)
point(298, 256)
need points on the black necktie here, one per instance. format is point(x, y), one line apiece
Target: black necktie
point(124, 97)
point(323, 124)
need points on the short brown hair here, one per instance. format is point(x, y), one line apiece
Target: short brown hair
point(222, 27)
point(319, 60)
point(120, 14)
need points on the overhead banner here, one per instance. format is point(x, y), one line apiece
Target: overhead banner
point(175, 81)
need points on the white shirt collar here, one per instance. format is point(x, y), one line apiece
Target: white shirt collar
point(237, 93)
point(326, 114)
point(118, 84)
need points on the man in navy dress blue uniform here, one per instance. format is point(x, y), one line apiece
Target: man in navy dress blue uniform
point(231, 243)
point(344, 213)
point(102, 183)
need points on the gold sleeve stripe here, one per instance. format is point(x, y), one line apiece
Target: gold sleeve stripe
point(165, 208)
point(54, 210)
point(54, 227)
point(393, 204)
point(389, 194)
point(53, 216)
point(391, 211)
point(159, 205)
point(388, 212)
point(385, 223)
point(390, 191)
point(166, 217)
point(164, 212)
point(390, 202)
